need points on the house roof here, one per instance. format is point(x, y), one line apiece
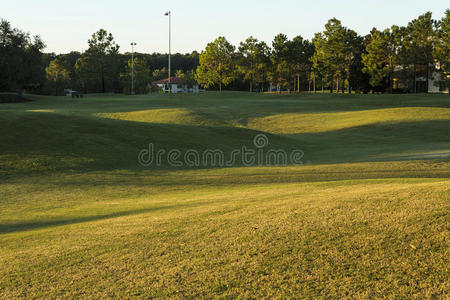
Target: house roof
point(175, 80)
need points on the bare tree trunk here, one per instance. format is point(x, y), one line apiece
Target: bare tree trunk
point(331, 85)
point(343, 85)
point(56, 85)
point(391, 82)
point(415, 79)
point(309, 83)
point(251, 81)
point(298, 83)
point(314, 83)
point(103, 81)
point(337, 85)
point(322, 85)
point(102, 76)
point(391, 75)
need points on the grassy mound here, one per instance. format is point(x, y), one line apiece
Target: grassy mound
point(365, 216)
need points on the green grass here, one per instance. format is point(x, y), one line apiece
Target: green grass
point(366, 216)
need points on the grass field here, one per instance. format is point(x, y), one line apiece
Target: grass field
point(366, 216)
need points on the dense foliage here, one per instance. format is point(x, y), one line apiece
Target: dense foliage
point(397, 59)
point(20, 59)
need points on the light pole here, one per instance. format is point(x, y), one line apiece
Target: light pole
point(132, 68)
point(169, 14)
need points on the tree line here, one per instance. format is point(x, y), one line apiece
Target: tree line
point(99, 69)
point(335, 60)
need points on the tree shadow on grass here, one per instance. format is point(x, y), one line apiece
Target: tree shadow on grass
point(47, 143)
point(377, 142)
point(33, 225)
point(236, 106)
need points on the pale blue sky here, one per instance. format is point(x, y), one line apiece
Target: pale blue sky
point(67, 25)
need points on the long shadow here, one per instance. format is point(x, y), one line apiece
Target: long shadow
point(96, 144)
point(82, 144)
point(242, 105)
point(376, 142)
point(105, 144)
point(26, 226)
point(265, 176)
point(75, 144)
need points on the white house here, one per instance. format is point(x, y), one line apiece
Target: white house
point(176, 84)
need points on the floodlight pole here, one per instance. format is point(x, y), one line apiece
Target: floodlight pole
point(169, 14)
point(132, 68)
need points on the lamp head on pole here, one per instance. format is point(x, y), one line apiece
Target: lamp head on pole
point(167, 13)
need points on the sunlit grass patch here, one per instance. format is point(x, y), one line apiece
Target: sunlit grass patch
point(365, 216)
point(164, 116)
point(291, 123)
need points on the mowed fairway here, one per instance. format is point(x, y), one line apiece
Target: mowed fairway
point(366, 216)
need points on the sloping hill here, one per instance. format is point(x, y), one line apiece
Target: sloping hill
point(365, 215)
